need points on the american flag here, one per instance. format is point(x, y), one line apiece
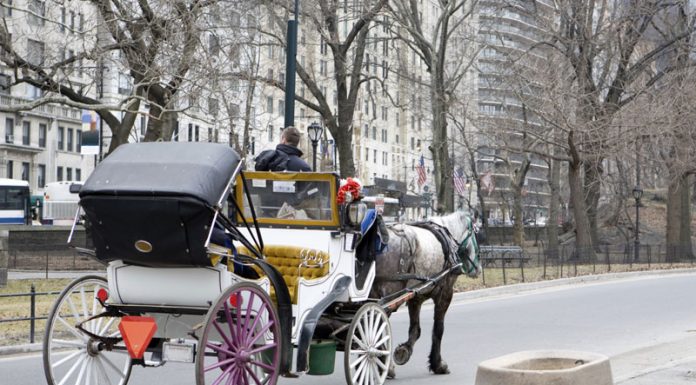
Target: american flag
point(420, 169)
point(459, 181)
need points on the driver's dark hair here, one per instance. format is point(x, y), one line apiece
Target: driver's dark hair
point(291, 136)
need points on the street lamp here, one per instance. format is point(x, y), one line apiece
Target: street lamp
point(637, 194)
point(314, 131)
point(290, 68)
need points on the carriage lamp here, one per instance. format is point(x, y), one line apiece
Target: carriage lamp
point(314, 131)
point(356, 213)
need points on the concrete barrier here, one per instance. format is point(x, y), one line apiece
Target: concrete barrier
point(4, 257)
point(552, 367)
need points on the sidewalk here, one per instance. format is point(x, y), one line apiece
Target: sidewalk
point(672, 363)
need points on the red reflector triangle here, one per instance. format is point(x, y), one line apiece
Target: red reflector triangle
point(137, 333)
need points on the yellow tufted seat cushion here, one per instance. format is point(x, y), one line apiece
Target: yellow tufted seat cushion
point(293, 262)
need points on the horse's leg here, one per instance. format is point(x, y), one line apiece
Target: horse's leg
point(442, 302)
point(403, 352)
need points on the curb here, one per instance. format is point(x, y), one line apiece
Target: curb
point(561, 283)
point(20, 349)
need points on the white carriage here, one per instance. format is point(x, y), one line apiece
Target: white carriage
point(241, 273)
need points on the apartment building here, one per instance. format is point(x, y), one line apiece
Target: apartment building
point(508, 29)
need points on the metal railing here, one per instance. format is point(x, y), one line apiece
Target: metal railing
point(32, 310)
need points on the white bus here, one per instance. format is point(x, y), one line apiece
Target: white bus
point(60, 205)
point(14, 202)
point(392, 209)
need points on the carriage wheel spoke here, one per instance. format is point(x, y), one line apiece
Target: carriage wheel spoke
point(219, 364)
point(72, 369)
point(254, 324)
point(71, 329)
point(261, 332)
point(381, 364)
point(107, 326)
point(253, 375)
point(227, 372)
point(358, 360)
point(224, 335)
point(66, 359)
point(83, 368)
point(67, 343)
point(247, 318)
point(83, 299)
point(73, 309)
point(263, 348)
point(262, 364)
point(102, 371)
point(220, 349)
point(88, 376)
point(359, 371)
point(110, 364)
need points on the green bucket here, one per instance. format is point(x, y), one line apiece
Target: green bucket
point(322, 357)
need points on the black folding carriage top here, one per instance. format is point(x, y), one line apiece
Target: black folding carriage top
point(151, 204)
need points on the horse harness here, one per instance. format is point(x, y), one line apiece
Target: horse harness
point(447, 242)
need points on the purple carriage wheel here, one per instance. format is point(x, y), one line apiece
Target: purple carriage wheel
point(240, 343)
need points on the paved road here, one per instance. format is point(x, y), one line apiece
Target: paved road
point(614, 318)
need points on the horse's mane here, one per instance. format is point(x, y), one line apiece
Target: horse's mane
point(457, 223)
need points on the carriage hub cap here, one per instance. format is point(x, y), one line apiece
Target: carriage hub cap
point(93, 347)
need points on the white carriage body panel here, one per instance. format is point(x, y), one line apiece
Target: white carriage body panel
point(341, 263)
point(194, 286)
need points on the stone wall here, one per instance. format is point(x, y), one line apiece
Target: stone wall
point(45, 248)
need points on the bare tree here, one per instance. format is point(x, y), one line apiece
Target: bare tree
point(348, 52)
point(447, 50)
point(611, 51)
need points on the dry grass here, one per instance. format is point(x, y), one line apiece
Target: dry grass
point(493, 276)
point(12, 333)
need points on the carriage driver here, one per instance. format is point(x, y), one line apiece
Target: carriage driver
point(286, 156)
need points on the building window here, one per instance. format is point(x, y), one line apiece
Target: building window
point(78, 174)
point(9, 130)
point(35, 52)
point(41, 181)
point(210, 134)
point(413, 143)
point(26, 132)
point(70, 139)
point(63, 19)
point(281, 107)
point(396, 139)
point(197, 133)
point(68, 173)
point(367, 154)
point(59, 174)
point(374, 133)
point(61, 138)
point(37, 12)
point(42, 135)
point(190, 132)
point(10, 169)
point(78, 141)
point(270, 132)
point(175, 137)
point(374, 156)
point(269, 105)
point(25, 171)
point(367, 131)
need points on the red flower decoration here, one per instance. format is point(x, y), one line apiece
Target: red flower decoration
point(351, 187)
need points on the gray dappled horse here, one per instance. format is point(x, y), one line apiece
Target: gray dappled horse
point(415, 252)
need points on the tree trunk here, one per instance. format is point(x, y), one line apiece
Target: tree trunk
point(593, 175)
point(439, 149)
point(679, 244)
point(343, 136)
point(554, 205)
point(518, 225)
point(583, 239)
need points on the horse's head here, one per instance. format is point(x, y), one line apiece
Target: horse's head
point(461, 226)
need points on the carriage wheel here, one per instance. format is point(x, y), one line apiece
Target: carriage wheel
point(368, 351)
point(240, 343)
point(72, 357)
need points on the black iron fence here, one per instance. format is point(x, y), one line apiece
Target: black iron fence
point(32, 318)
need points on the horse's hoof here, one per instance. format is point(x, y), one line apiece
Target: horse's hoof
point(391, 373)
point(441, 369)
point(402, 353)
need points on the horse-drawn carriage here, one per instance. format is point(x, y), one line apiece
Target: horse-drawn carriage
point(235, 272)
